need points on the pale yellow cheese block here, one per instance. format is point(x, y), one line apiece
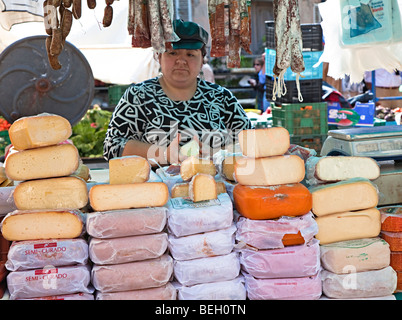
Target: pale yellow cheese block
point(45, 162)
point(348, 225)
point(347, 195)
point(128, 169)
point(180, 190)
point(42, 224)
point(193, 165)
point(257, 143)
point(269, 170)
point(202, 187)
point(124, 196)
point(52, 193)
point(39, 131)
point(228, 165)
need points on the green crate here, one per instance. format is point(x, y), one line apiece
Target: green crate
point(301, 118)
point(115, 92)
point(314, 142)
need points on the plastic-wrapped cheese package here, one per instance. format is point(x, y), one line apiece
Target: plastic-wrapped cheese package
point(49, 282)
point(132, 275)
point(127, 249)
point(166, 292)
point(203, 270)
point(123, 223)
point(201, 245)
point(186, 217)
point(391, 218)
point(72, 296)
point(220, 290)
point(293, 261)
point(394, 239)
point(268, 234)
point(373, 283)
point(304, 288)
point(35, 254)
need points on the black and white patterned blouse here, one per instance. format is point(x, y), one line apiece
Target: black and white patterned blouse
point(146, 114)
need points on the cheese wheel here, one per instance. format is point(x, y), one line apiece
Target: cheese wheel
point(269, 171)
point(394, 239)
point(128, 169)
point(45, 162)
point(337, 168)
point(52, 193)
point(348, 195)
point(270, 202)
point(104, 197)
point(258, 143)
point(202, 187)
point(396, 260)
point(391, 218)
point(355, 255)
point(227, 167)
point(180, 190)
point(39, 131)
point(166, 292)
point(193, 165)
point(348, 225)
point(36, 224)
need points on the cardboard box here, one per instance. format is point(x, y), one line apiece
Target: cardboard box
point(362, 115)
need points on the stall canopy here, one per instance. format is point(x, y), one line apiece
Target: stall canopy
point(108, 50)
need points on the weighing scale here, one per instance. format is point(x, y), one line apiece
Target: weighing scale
point(382, 143)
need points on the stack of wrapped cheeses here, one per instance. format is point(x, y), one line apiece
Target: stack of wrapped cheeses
point(280, 258)
point(201, 236)
point(355, 260)
point(391, 232)
point(128, 243)
point(47, 257)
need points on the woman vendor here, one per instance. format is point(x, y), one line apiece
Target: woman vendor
point(157, 116)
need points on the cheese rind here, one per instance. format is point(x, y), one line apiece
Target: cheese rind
point(104, 197)
point(202, 187)
point(128, 169)
point(38, 224)
point(53, 193)
point(348, 195)
point(193, 165)
point(348, 225)
point(258, 143)
point(227, 167)
point(355, 255)
point(45, 162)
point(39, 131)
point(269, 170)
point(270, 202)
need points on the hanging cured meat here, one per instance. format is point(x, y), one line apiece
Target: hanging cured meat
point(289, 45)
point(150, 23)
point(230, 28)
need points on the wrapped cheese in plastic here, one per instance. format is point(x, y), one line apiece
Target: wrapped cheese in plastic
point(35, 254)
point(294, 261)
point(49, 282)
point(186, 217)
point(127, 249)
point(220, 290)
point(303, 288)
point(203, 270)
point(273, 234)
point(123, 223)
point(201, 245)
point(72, 296)
point(166, 292)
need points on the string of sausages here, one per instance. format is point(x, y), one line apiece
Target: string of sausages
point(58, 19)
point(288, 45)
point(150, 24)
point(230, 29)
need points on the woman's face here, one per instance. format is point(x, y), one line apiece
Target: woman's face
point(257, 66)
point(181, 66)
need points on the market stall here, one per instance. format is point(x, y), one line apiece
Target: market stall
point(268, 219)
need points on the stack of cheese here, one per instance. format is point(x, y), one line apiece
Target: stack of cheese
point(391, 231)
point(201, 236)
point(127, 244)
point(47, 222)
point(355, 260)
point(276, 222)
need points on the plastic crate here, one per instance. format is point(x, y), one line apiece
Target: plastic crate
point(115, 92)
point(310, 59)
point(314, 142)
point(311, 36)
point(301, 118)
point(311, 90)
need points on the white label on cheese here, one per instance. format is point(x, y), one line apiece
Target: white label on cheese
point(180, 203)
